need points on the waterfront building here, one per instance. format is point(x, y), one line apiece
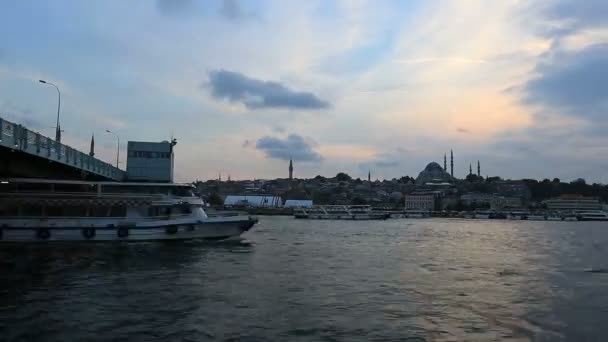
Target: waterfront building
point(420, 202)
point(476, 198)
point(573, 202)
point(505, 202)
point(266, 201)
point(150, 161)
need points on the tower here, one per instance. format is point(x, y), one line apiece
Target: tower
point(478, 169)
point(92, 151)
point(452, 163)
point(470, 168)
point(290, 169)
point(369, 176)
point(445, 163)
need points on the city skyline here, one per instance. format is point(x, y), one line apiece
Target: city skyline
point(336, 86)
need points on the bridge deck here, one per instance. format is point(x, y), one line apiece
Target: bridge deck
point(18, 138)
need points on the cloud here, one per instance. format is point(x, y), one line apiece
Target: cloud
point(171, 7)
point(463, 130)
point(574, 83)
point(258, 94)
point(293, 147)
point(246, 143)
point(573, 15)
point(387, 163)
point(279, 129)
point(232, 10)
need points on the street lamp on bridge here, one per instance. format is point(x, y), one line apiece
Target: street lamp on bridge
point(57, 128)
point(117, 147)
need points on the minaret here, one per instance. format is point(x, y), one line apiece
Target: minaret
point(219, 176)
point(470, 168)
point(92, 152)
point(445, 163)
point(229, 177)
point(452, 163)
point(290, 169)
point(369, 176)
point(478, 169)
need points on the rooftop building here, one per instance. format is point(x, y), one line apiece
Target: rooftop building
point(573, 202)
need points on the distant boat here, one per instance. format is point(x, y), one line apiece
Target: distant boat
point(517, 215)
point(535, 217)
point(592, 216)
point(484, 215)
point(339, 212)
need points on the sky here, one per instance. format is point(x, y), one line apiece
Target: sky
point(337, 86)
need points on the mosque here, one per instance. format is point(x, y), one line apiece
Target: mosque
point(434, 173)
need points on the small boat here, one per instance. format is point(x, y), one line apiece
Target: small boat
point(592, 216)
point(339, 212)
point(484, 215)
point(537, 217)
point(41, 210)
point(517, 215)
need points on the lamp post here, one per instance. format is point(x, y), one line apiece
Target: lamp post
point(57, 128)
point(117, 146)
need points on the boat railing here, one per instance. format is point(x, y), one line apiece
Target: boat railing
point(136, 219)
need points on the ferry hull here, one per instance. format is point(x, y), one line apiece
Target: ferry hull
point(200, 230)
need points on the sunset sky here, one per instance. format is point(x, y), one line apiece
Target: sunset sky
point(352, 86)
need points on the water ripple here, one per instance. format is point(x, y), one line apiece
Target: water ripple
point(293, 280)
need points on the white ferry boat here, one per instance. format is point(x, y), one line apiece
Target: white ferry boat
point(39, 210)
point(339, 212)
point(592, 216)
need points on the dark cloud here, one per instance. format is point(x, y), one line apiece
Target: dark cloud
point(463, 130)
point(174, 6)
point(231, 9)
point(401, 150)
point(572, 15)
point(279, 129)
point(385, 160)
point(22, 115)
point(258, 94)
point(293, 147)
point(387, 163)
point(574, 83)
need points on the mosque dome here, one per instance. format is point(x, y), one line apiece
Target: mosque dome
point(433, 173)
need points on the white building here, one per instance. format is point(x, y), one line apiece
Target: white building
point(420, 202)
point(573, 202)
point(298, 204)
point(268, 201)
point(150, 161)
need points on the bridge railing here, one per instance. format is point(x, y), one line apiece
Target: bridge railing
point(18, 137)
